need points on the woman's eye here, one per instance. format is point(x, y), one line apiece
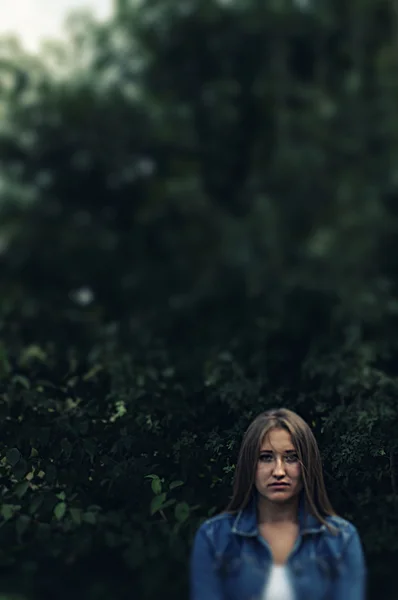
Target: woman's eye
point(266, 457)
point(292, 458)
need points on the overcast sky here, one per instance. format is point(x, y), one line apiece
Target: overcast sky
point(34, 20)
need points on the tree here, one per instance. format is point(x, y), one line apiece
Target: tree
point(197, 223)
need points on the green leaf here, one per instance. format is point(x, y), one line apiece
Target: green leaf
point(76, 514)
point(22, 380)
point(35, 504)
point(7, 511)
point(151, 477)
point(168, 372)
point(157, 503)
point(181, 512)
point(13, 456)
point(175, 484)
point(92, 372)
point(168, 503)
point(61, 496)
point(31, 353)
point(60, 510)
point(20, 469)
point(22, 524)
point(156, 486)
point(21, 488)
point(90, 517)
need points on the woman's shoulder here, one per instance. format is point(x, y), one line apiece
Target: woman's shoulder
point(223, 519)
point(219, 524)
point(340, 526)
point(223, 525)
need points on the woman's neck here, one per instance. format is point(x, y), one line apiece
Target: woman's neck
point(271, 514)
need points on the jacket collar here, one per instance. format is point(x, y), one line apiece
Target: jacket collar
point(246, 520)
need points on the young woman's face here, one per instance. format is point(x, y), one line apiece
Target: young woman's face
point(278, 464)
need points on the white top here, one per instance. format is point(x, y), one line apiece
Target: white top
point(278, 586)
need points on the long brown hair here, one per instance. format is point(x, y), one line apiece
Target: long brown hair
point(316, 498)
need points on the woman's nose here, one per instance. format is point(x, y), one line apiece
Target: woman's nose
point(279, 468)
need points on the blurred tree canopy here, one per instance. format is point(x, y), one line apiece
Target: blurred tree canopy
point(198, 221)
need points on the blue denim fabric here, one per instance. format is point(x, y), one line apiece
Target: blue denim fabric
point(231, 561)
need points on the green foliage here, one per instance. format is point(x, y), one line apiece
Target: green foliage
point(198, 221)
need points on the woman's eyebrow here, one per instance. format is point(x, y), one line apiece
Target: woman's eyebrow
point(285, 451)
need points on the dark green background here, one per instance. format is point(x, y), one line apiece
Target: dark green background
point(198, 222)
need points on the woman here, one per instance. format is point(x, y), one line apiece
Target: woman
point(279, 538)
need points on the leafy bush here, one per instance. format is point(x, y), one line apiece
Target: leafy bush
point(197, 223)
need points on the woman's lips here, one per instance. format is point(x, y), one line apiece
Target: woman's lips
point(279, 485)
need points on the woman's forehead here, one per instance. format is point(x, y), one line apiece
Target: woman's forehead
point(277, 439)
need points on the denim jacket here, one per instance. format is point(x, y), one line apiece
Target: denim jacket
point(231, 561)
